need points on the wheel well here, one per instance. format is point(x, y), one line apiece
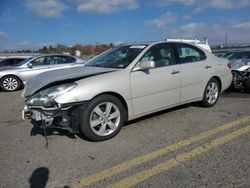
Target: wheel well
point(118, 96)
point(219, 81)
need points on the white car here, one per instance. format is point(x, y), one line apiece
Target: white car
point(125, 83)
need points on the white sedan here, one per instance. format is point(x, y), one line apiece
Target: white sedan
point(125, 83)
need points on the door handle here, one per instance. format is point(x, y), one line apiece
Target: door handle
point(208, 67)
point(175, 72)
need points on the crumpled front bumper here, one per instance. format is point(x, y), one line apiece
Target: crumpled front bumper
point(66, 118)
point(38, 114)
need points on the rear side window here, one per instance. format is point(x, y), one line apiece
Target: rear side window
point(63, 59)
point(6, 61)
point(16, 61)
point(188, 53)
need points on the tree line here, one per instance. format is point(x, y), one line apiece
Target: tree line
point(60, 48)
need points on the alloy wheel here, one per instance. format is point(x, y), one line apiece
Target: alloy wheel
point(105, 118)
point(10, 84)
point(212, 93)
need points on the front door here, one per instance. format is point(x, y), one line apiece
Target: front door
point(156, 88)
point(39, 65)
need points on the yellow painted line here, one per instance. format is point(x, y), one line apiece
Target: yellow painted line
point(154, 154)
point(141, 176)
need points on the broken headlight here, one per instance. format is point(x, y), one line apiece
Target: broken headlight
point(46, 97)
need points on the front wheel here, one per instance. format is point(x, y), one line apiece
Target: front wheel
point(103, 118)
point(10, 83)
point(211, 93)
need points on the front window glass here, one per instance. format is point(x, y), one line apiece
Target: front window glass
point(119, 57)
point(161, 54)
point(40, 61)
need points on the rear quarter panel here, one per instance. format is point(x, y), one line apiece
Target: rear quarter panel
point(221, 70)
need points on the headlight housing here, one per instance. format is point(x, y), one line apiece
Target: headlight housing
point(46, 97)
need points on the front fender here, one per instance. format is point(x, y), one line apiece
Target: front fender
point(88, 88)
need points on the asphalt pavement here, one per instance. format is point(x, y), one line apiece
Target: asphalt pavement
point(188, 146)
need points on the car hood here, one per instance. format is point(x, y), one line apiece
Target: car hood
point(240, 64)
point(60, 76)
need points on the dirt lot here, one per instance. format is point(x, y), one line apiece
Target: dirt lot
point(189, 146)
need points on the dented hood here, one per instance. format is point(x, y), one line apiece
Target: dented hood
point(60, 76)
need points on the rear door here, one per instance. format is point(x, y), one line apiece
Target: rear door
point(194, 71)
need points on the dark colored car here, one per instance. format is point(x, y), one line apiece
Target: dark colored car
point(11, 61)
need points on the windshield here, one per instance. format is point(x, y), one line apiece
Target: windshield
point(234, 55)
point(239, 55)
point(227, 54)
point(24, 61)
point(119, 57)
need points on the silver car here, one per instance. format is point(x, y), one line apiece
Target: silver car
point(125, 83)
point(13, 78)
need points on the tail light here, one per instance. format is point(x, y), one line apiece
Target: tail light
point(229, 65)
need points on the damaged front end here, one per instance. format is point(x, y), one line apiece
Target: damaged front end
point(241, 74)
point(58, 118)
point(42, 107)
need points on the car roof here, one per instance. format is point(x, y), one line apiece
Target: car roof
point(15, 58)
point(201, 46)
point(42, 55)
point(162, 41)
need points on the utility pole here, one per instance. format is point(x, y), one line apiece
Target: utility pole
point(226, 40)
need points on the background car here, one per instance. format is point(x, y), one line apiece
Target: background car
point(11, 61)
point(238, 55)
point(125, 83)
point(13, 78)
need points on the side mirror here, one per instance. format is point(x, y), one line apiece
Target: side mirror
point(29, 65)
point(145, 65)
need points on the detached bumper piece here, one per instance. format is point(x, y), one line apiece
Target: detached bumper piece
point(66, 118)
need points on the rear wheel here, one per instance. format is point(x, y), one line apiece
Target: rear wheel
point(103, 118)
point(211, 93)
point(10, 83)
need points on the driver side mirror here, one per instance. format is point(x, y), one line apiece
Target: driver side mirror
point(145, 65)
point(29, 65)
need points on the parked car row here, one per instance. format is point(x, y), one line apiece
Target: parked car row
point(17, 74)
point(122, 84)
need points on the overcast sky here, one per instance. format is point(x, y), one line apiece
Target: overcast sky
point(34, 23)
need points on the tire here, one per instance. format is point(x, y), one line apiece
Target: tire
point(102, 118)
point(10, 83)
point(211, 93)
